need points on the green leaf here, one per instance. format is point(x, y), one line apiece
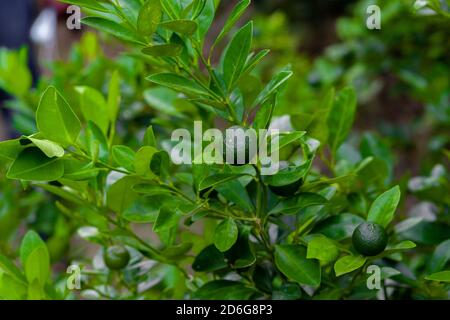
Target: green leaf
point(348, 264)
point(94, 107)
point(177, 82)
point(341, 117)
point(294, 204)
point(124, 157)
point(89, 4)
point(322, 249)
point(96, 142)
point(443, 276)
point(149, 137)
point(235, 192)
point(404, 245)
point(33, 165)
point(225, 235)
point(142, 210)
point(383, 208)
point(143, 160)
point(272, 87)
point(205, 18)
point(167, 219)
point(49, 148)
point(224, 290)
point(339, 227)
point(55, 118)
point(78, 171)
point(185, 27)
point(35, 258)
point(242, 254)
point(286, 138)
point(171, 8)
point(440, 257)
point(113, 28)
point(209, 259)
point(292, 262)
point(9, 268)
point(234, 16)
point(236, 54)
point(163, 50)
point(121, 194)
point(159, 165)
point(254, 60)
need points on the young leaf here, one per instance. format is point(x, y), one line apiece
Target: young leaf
point(443, 276)
point(50, 148)
point(237, 12)
point(348, 264)
point(341, 116)
point(292, 262)
point(225, 235)
point(236, 54)
point(124, 157)
point(254, 60)
point(93, 106)
point(143, 159)
point(35, 258)
point(185, 27)
point(149, 137)
point(178, 83)
point(33, 165)
point(383, 208)
point(322, 249)
point(272, 87)
point(55, 118)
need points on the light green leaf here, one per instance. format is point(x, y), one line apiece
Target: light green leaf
point(383, 208)
point(443, 276)
point(55, 118)
point(225, 235)
point(49, 148)
point(124, 157)
point(292, 262)
point(348, 264)
point(94, 107)
point(121, 194)
point(35, 258)
point(322, 249)
point(33, 165)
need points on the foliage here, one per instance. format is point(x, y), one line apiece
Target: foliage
point(100, 147)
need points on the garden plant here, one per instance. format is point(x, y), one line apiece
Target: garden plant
point(91, 183)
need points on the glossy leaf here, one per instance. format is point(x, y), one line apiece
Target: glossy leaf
point(225, 235)
point(292, 262)
point(383, 208)
point(348, 264)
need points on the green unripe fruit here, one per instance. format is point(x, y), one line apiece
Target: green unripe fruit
point(237, 145)
point(369, 239)
point(116, 257)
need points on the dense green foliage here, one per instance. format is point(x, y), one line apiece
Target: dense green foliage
point(93, 162)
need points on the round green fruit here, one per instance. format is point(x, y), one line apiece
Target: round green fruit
point(116, 257)
point(237, 146)
point(369, 239)
point(288, 190)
